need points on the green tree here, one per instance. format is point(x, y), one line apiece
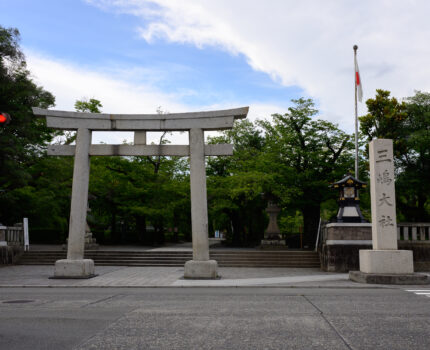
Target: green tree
point(88, 106)
point(235, 186)
point(385, 119)
point(304, 156)
point(407, 123)
point(414, 180)
point(23, 141)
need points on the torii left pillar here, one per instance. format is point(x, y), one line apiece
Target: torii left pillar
point(75, 266)
point(201, 266)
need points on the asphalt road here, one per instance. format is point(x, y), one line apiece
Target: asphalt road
point(213, 318)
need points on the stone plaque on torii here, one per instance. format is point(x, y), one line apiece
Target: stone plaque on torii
point(75, 266)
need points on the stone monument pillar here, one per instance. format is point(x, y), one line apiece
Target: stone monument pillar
point(75, 266)
point(384, 263)
point(200, 266)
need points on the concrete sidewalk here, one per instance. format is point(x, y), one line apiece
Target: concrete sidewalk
point(122, 276)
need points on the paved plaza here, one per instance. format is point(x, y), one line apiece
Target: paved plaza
point(122, 276)
point(157, 276)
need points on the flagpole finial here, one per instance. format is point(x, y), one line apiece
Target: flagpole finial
point(355, 47)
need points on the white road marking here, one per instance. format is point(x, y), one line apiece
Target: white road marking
point(418, 290)
point(425, 292)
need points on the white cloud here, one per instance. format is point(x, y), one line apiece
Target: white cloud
point(69, 83)
point(306, 43)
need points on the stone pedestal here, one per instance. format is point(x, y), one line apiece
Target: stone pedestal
point(201, 269)
point(386, 261)
point(68, 268)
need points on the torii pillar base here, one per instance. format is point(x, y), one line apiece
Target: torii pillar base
point(195, 269)
point(71, 269)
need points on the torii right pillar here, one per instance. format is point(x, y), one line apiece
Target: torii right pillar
point(384, 264)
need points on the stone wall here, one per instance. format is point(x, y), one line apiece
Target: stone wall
point(10, 254)
point(341, 231)
point(343, 258)
point(421, 251)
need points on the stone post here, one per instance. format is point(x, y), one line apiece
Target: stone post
point(200, 266)
point(3, 241)
point(75, 266)
point(384, 263)
point(140, 137)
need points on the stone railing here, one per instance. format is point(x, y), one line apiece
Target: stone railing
point(11, 243)
point(413, 231)
point(11, 235)
point(406, 232)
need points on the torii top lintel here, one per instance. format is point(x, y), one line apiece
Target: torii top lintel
point(211, 120)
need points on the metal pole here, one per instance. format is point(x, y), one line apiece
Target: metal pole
point(355, 47)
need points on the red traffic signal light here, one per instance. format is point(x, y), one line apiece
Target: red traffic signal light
point(4, 119)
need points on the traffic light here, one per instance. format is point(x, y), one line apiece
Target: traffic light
point(4, 119)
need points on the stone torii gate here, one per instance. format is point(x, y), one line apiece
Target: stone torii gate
point(75, 266)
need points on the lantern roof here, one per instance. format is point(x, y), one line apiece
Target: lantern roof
point(349, 180)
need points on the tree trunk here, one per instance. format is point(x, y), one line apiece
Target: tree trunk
point(235, 227)
point(311, 217)
point(141, 228)
point(422, 213)
point(115, 237)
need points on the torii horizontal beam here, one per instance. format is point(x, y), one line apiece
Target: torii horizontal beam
point(141, 150)
point(212, 120)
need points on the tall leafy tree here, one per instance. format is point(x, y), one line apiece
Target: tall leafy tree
point(414, 181)
point(90, 106)
point(408, 124)
point(23, 141)
point(236, 184)
point(305, 155)
point(386, 118)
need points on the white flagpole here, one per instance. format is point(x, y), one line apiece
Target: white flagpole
point(356, 114)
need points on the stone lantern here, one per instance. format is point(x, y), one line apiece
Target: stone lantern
point(349, 203)
point(272, 234)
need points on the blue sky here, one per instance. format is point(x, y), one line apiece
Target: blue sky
point(136, 55)
point(75, 31)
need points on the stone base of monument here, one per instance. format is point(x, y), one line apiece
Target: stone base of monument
point(386, 278)
point(195, 269)
point(273, 244)
point(74, 269)
point(387, 267)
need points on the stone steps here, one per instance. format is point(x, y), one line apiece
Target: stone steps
point(178, 258)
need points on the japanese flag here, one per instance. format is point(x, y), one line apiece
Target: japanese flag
point(358, 84)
